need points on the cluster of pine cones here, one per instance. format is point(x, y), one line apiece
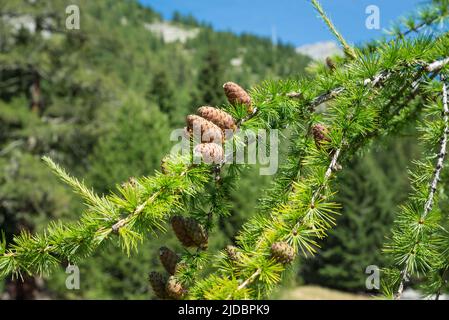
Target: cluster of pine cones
point(212, 123)
point(163, 287)
point(281, 252)
point(191, 234)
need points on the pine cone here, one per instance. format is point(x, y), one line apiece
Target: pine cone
point(320, 135)
point(209, 152)
point(189, 232)
point(178, 225)
point(237, 95)
point(158, 283)
point(196, 232)
point(282, 252)
point(233, 253)
point(131, 182)
point(169, 259)
point(217, 116)
point(164, 166)
point(209, 131)
point(331, 64)
point(174, 289)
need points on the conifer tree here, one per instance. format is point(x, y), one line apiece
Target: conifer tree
point(370, 94)
point(161, 92)
point(210, 78)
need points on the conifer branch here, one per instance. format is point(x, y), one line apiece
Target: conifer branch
point(349, 51)
point(443, 283)
point(433, 183)
point(280, 220)
point(122, 222)
point(40, 254)
point(437, 65)
point(439, 166)
point(427, 17)
point(247, 282)
point(79, 187)
point(377, 80)
point(327, 175)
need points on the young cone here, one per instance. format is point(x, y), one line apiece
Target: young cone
point(169, 259)
point(331, 64)
point(174, 289)
point(209, 152)
point(158, 283)
point(217, 116)
point(237, 95)
point(209, 131)
point(320, 134)
point(232, 253)
point(282, 252)
point(164, 166)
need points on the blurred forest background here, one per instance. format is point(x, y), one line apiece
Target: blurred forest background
point(102, 102)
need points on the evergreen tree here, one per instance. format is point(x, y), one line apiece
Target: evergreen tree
point(368, 94)
point(211, 78)
point(162, 92)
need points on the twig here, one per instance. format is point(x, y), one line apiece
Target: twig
point(438, 293)
point(404, 279)
point(248, 117)
point(347, 49)
point(441, 155)
point(122, 222)
point(436, 178)
point(377, 80)
point(419, 26)
point(327, 175)
point(437, 65)
point(247, 281)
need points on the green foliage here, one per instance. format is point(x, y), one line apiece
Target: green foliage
point(211, 79)
point(372, 94)
point(417, 243)
point(365, 193)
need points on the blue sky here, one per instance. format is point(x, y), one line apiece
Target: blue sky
point(295, 21)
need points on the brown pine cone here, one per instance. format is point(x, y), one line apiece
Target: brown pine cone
point(209, 152)
point(189, 232)
point(196, 232)
point(282, 252)
point(178, 225)
point(169, 259)
point(217, 116)
point(237, 95)
point(158, 283)
point(320, 134)
point(174, 289)
point(209, 131)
